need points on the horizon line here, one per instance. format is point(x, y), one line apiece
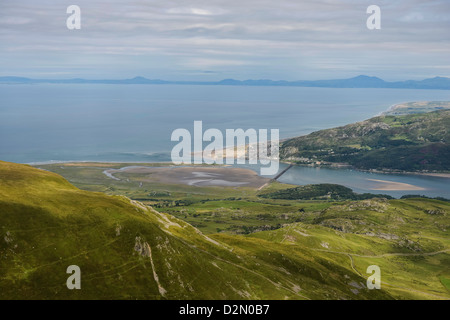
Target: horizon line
point(360, 81)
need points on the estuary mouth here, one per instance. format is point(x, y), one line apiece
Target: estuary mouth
point(192, 176)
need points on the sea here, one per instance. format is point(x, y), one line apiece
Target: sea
point(44, 123)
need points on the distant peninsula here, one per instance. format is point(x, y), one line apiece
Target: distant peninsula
point(362, 81)
point(412, 137)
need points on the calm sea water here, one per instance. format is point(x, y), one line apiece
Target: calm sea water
point(363, 182)
point(50, 122)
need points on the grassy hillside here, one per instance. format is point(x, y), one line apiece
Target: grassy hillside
point(129, 251)
point(413, 142)
point(126, 250)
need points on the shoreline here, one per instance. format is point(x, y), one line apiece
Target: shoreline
point(205, 175)
point(336, 166)
point(44, 163)
point(438, 174)
point(340, 166)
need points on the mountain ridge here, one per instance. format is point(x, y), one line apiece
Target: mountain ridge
point(360, 81)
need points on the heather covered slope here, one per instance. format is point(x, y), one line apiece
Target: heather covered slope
point(128, 251)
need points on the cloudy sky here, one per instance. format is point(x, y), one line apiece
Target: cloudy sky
point(217, 39)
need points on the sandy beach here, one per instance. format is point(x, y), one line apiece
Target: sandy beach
point(440, 175)
point(394, 186)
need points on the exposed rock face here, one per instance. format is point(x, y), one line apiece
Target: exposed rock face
point(118, 228)
point(437, 211)
point(8, 238)
point(378, 205)
point(338, 224)
point(382, 235)
point(142, 248)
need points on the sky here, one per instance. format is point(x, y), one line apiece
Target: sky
point(210, 40)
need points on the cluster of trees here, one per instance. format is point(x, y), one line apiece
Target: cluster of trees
point(321, 192)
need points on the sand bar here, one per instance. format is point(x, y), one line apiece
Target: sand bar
point(394, 186)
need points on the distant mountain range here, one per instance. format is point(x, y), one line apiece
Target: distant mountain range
point(362, 81)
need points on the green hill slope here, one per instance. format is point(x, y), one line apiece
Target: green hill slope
point(129, 251)
point(408, 240)
point(412, 142)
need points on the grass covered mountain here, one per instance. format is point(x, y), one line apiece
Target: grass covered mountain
point(413, 142)
point(126, 250)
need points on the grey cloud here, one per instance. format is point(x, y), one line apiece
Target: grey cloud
point(280, 39)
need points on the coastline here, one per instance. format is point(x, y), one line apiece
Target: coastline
point(43, 163)
point(229, 176)
point(439, 174)
point(220, 176)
